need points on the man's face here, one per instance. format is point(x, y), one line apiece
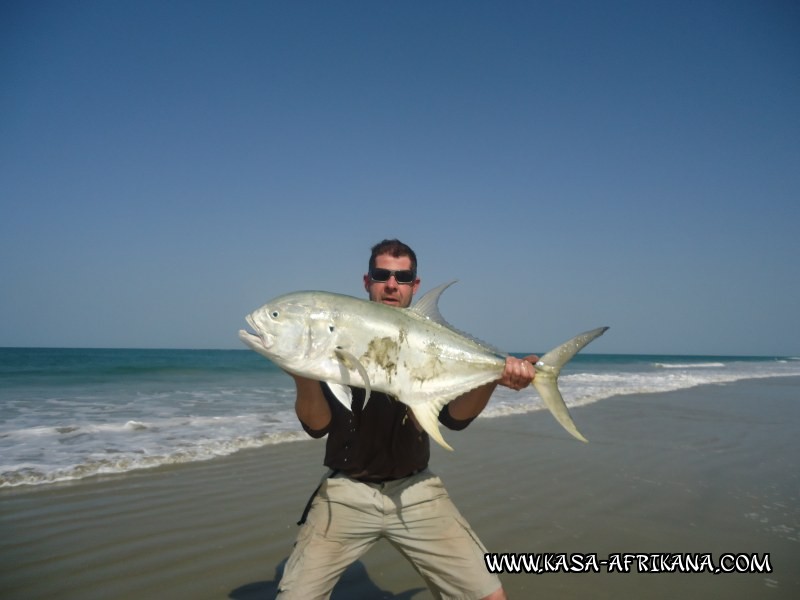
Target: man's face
point(390, 292)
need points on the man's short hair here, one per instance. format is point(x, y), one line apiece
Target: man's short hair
point(394, 248)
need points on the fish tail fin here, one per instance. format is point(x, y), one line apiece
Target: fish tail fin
point(427, 416)
point(547, 371)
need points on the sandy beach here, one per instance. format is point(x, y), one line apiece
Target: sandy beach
point(711, 469)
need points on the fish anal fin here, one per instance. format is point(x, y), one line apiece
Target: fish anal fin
point(427, 415)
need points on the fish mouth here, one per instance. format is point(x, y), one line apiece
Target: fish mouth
point(257, 341)
point(250, 339)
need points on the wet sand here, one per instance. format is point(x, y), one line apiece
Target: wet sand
point(712, 469)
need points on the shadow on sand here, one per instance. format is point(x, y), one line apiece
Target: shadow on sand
point(355, 583)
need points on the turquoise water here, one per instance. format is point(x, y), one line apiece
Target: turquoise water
point(73, 413)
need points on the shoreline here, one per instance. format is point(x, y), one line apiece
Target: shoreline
point(89, 472)
point(710, 469)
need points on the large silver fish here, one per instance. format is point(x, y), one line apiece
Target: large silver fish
point(411, 354)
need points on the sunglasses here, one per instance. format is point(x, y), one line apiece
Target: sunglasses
point(406, 276)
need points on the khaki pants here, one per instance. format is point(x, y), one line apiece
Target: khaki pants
point(414, 514)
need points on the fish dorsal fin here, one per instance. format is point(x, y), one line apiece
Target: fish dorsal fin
point(350, 362)
point(428, 307)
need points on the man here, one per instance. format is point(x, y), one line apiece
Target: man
point(379, 485)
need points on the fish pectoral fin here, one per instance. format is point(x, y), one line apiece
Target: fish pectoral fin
point(427, 416)
point(343, 394)
point(350, 362)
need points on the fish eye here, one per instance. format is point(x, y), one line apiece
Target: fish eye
point(330, 328)
point(274, 314)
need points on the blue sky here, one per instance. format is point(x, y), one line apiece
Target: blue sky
point(166, 167)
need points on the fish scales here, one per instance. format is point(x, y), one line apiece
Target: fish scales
point(411, 354)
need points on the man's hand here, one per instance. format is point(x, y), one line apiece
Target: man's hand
point(310, 404)
point(519, 373)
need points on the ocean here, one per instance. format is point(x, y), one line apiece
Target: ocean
point(69, 414)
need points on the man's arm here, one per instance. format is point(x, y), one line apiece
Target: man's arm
point(518, 374)
point(310, 405)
